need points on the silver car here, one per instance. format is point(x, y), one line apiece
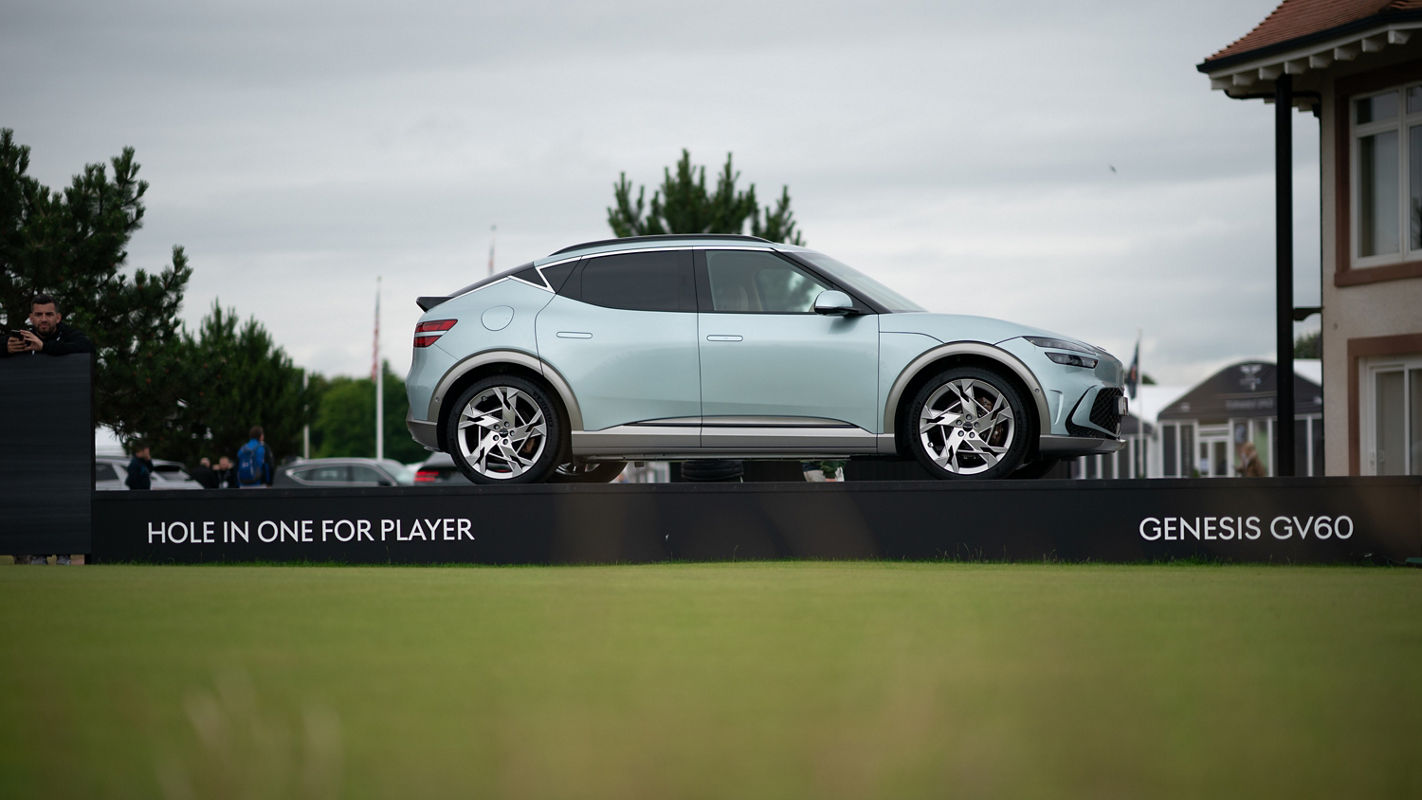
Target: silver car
point(338, 472)
point(111, 474)
point(685, 347)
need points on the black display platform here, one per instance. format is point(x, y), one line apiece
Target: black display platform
point(1317, 520)
point(46, 453)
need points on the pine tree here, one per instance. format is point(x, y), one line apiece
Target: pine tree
point(233, 377)
point(72, 244)
point(683, 205)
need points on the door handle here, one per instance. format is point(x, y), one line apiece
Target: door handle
point(719, 337)
point(573, 335)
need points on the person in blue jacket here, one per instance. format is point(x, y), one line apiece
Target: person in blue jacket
point(255, 466)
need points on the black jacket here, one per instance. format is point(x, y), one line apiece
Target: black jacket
point(205, 476)
point(62, 342)
point(226, 478)
point(139, 472)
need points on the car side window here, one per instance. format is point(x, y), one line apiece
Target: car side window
point(757, 282)
point(331, 473)
point(557, 274)
point(365, 474)
point(652, 281)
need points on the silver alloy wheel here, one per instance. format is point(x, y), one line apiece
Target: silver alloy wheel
point(501, 432)
point(966, 426)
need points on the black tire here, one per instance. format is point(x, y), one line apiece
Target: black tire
point(967, 423)
point(587, 471)
point(505, 429)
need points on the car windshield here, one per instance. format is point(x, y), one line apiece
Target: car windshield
point(849, 276)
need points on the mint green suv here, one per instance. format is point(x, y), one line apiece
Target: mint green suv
point(687, 347)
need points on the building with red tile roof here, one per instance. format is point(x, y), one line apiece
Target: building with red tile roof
point(1307, 39)
point(1357, 66)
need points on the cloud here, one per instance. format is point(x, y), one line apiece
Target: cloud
point(961, 152)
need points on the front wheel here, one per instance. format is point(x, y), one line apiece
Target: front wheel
point(504, 429)
point(968, 422)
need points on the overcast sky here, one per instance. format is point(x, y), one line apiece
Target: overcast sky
point(961, 152)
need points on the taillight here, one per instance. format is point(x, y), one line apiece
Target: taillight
point(427, 476)
point(427, 333)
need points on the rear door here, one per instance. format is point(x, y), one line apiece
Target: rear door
point(622, 332)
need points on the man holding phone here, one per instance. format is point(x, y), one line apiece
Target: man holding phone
point(51, 337)
point(48, 334)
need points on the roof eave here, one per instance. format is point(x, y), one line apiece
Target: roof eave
point(1252, 73)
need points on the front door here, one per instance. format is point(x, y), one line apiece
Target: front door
point(768, 360)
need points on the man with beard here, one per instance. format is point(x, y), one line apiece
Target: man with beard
point(48, 335)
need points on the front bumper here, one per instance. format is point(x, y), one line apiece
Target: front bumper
point(1067, 446)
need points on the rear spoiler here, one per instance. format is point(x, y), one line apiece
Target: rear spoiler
point(427, 303)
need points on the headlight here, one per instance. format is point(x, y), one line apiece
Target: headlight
point(1058, 344)
point(1069, 359)
point(1073, 360)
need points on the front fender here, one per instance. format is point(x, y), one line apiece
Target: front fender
point(926, 359)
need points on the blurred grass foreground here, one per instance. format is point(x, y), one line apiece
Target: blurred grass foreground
point(785, 680)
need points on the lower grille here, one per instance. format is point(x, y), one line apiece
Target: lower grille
point(1105, 413)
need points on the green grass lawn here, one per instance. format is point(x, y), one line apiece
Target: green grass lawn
point(800, 680)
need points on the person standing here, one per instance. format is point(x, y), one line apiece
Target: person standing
point(255, 467)
point(204, 475)
point(48, 334)
point(226, 475)
point(1249, 466)
point(140, 469)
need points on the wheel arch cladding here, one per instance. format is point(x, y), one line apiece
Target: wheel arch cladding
point(482, 371)
point(947, 361)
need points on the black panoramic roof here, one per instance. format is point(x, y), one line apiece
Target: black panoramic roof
point(734, 237)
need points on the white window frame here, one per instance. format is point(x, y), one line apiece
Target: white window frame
point(1399, 124)
point(1369, 369)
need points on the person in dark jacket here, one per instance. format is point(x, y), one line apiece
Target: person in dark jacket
point(140, 469)
point(47, 335)
point(226, 474)
point(204, 474)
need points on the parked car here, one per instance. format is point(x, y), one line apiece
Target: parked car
point(439, 468)
point(111, 474)
point(336, 472)
point(683, 347)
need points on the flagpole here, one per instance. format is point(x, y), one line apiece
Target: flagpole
point(305, 429)
point(378, 375)
point(1140, 415)
point(493, 233)
point(1133, 382)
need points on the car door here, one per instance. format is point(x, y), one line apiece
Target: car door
point(622, 333)
point(768, 360)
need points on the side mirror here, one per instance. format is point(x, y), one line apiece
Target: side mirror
point(833, 303)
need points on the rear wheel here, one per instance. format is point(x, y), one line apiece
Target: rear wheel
point(968, 422)
point(504, 429)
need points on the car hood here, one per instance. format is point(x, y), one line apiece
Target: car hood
point(961, 327)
